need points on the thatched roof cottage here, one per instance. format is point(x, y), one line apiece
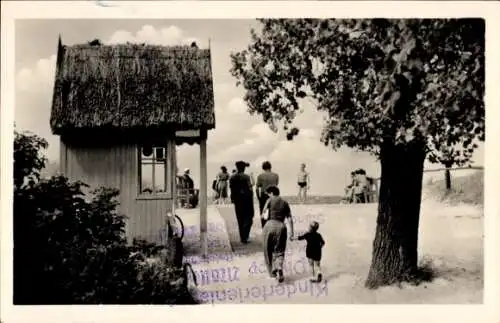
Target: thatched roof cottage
point(121, 110)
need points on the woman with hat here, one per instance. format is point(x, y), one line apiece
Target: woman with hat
point(242, 198)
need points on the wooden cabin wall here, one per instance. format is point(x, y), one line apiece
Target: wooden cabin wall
point(117, 166)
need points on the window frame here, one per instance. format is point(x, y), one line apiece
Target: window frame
point(166, 164)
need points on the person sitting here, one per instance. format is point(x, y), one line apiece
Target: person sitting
point(180, 190)
point(188, 187)
point(370, 190)
point(360, 189)
point(214, 189)
point(349, 190)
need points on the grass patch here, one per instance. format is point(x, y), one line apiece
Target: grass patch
point(311, 200)
point(314, 199)
point(467, 189)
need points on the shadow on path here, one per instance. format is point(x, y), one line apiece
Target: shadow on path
point(254, 244)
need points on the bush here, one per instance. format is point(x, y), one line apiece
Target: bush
point(72, 250)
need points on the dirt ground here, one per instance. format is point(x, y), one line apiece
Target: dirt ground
point(451, 240)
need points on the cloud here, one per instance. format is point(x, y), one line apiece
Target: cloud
point(263, 131)
point(308, 133)
point(249, 140)
point(223, 90)
point(168, 36)
point(237, 106)
point(39, 78)
point(238, 135)
point(34, 86)
point(41, 75)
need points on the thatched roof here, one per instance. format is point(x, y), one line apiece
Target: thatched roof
point(132, 87)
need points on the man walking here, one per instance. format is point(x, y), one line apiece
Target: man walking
point(242, 198)
point(265, 180)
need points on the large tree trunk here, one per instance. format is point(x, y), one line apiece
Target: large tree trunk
point(394, 257)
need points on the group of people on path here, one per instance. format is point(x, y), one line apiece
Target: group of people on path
point(275, 216)
point(221, 187)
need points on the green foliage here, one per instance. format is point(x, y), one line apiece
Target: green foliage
point(70, 249)
point(29, 160)
point(378, 80)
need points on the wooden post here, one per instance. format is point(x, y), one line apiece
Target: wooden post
point(172, 169)
point(203, 194)
point(173, 172)
point(63, 157)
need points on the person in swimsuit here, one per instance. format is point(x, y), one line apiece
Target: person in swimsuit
point(303, 182)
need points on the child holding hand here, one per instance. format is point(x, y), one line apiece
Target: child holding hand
point(315, 243)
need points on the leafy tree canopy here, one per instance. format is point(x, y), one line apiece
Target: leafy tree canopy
point(28, 157)
point(378, 80)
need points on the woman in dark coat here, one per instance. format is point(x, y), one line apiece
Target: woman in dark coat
point(242, 198)
point(275, 232)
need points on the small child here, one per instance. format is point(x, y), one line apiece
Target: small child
point(313, 250)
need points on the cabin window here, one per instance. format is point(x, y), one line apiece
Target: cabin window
point(153, 170)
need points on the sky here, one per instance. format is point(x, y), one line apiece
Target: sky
point(237, 136)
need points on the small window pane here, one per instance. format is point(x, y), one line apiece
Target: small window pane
point(147, 179)
point(153, 160)
point(160, 154)
point(160, 178)
point(147, 151)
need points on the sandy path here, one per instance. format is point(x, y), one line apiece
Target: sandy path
point(451, 237)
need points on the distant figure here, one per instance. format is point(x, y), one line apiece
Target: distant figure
point(242, 198)
point(303, 182)
point(214, 189)
point(315, 243)
point(187, 187)
point(265, 180)
point(194, 45)
point(232, 173)
point(370, 190)
point(275, 233)
point(179, 188)
point(360, 187)
point(252, 179)
point(349, 190)
point(222, 185)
